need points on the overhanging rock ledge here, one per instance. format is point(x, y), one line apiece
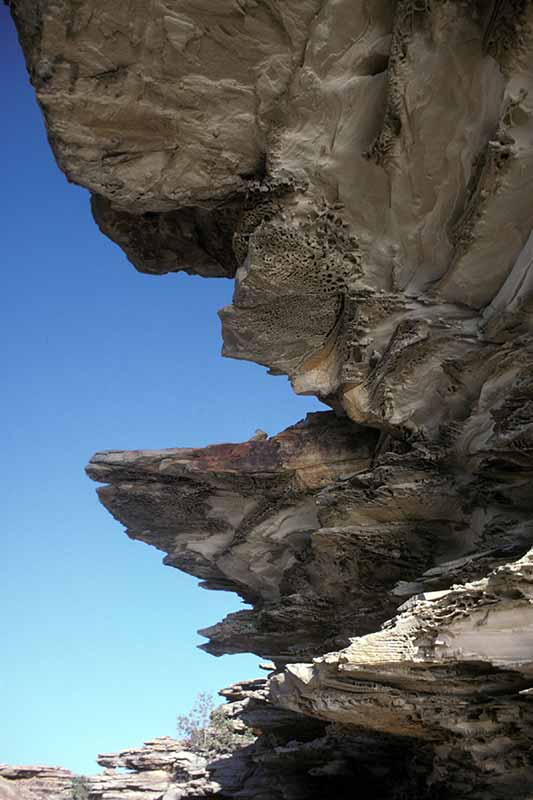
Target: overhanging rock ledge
point(364, 170)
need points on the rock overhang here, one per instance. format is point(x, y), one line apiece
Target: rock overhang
point(364, 170)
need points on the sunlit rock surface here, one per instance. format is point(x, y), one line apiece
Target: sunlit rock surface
point(364, 169)
point(35, 783)
point(9, 791)
point(161, 768)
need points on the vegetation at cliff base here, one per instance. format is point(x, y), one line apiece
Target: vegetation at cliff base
point(80, 788)
point(208, 730)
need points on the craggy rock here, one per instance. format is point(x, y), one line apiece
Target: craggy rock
point(321, 532)
point(10, 790)
point(454, 669)
point(196, 240)
point(35, 783)
point(161, 769)
point(296, 757)
point(364, 169)
point(245, 517)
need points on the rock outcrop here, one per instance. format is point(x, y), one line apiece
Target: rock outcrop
point(35, 782)
point(364, 170)
point(295, 757)
point(161, 768)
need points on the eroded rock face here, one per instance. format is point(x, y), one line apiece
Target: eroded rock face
point(245, 517)
point(161, 768)
point(364, 170)
point(454, 669)
point(296, 756)
point(35, 783)
point(324, 534)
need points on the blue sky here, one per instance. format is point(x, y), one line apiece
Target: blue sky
point(99, 644)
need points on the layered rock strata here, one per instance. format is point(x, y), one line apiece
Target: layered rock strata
point(364, 170)
point(295, 757)
point(162, 768)
point(35, 783)
point(320, 532)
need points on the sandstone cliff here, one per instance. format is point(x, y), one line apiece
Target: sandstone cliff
point(364, 170)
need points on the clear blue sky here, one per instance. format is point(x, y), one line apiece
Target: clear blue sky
point(98, 638)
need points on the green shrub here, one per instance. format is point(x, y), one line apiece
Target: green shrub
point(80, 788)
point(209, 731)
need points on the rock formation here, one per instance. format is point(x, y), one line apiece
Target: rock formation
point(161, 768)
point(364, 169)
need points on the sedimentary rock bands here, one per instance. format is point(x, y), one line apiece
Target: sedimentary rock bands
point(363, 169)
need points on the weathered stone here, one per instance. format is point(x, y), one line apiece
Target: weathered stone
point(11, 790)
point(451, 670)
point(322, 533)
point(242, 517)
point(36, 782)
point(162, 768)
point(193, 240)
point(365, 171)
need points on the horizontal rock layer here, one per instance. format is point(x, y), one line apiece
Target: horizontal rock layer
point(162, 768)
point(455, 668)
point(364, 170)
point(324, 528)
